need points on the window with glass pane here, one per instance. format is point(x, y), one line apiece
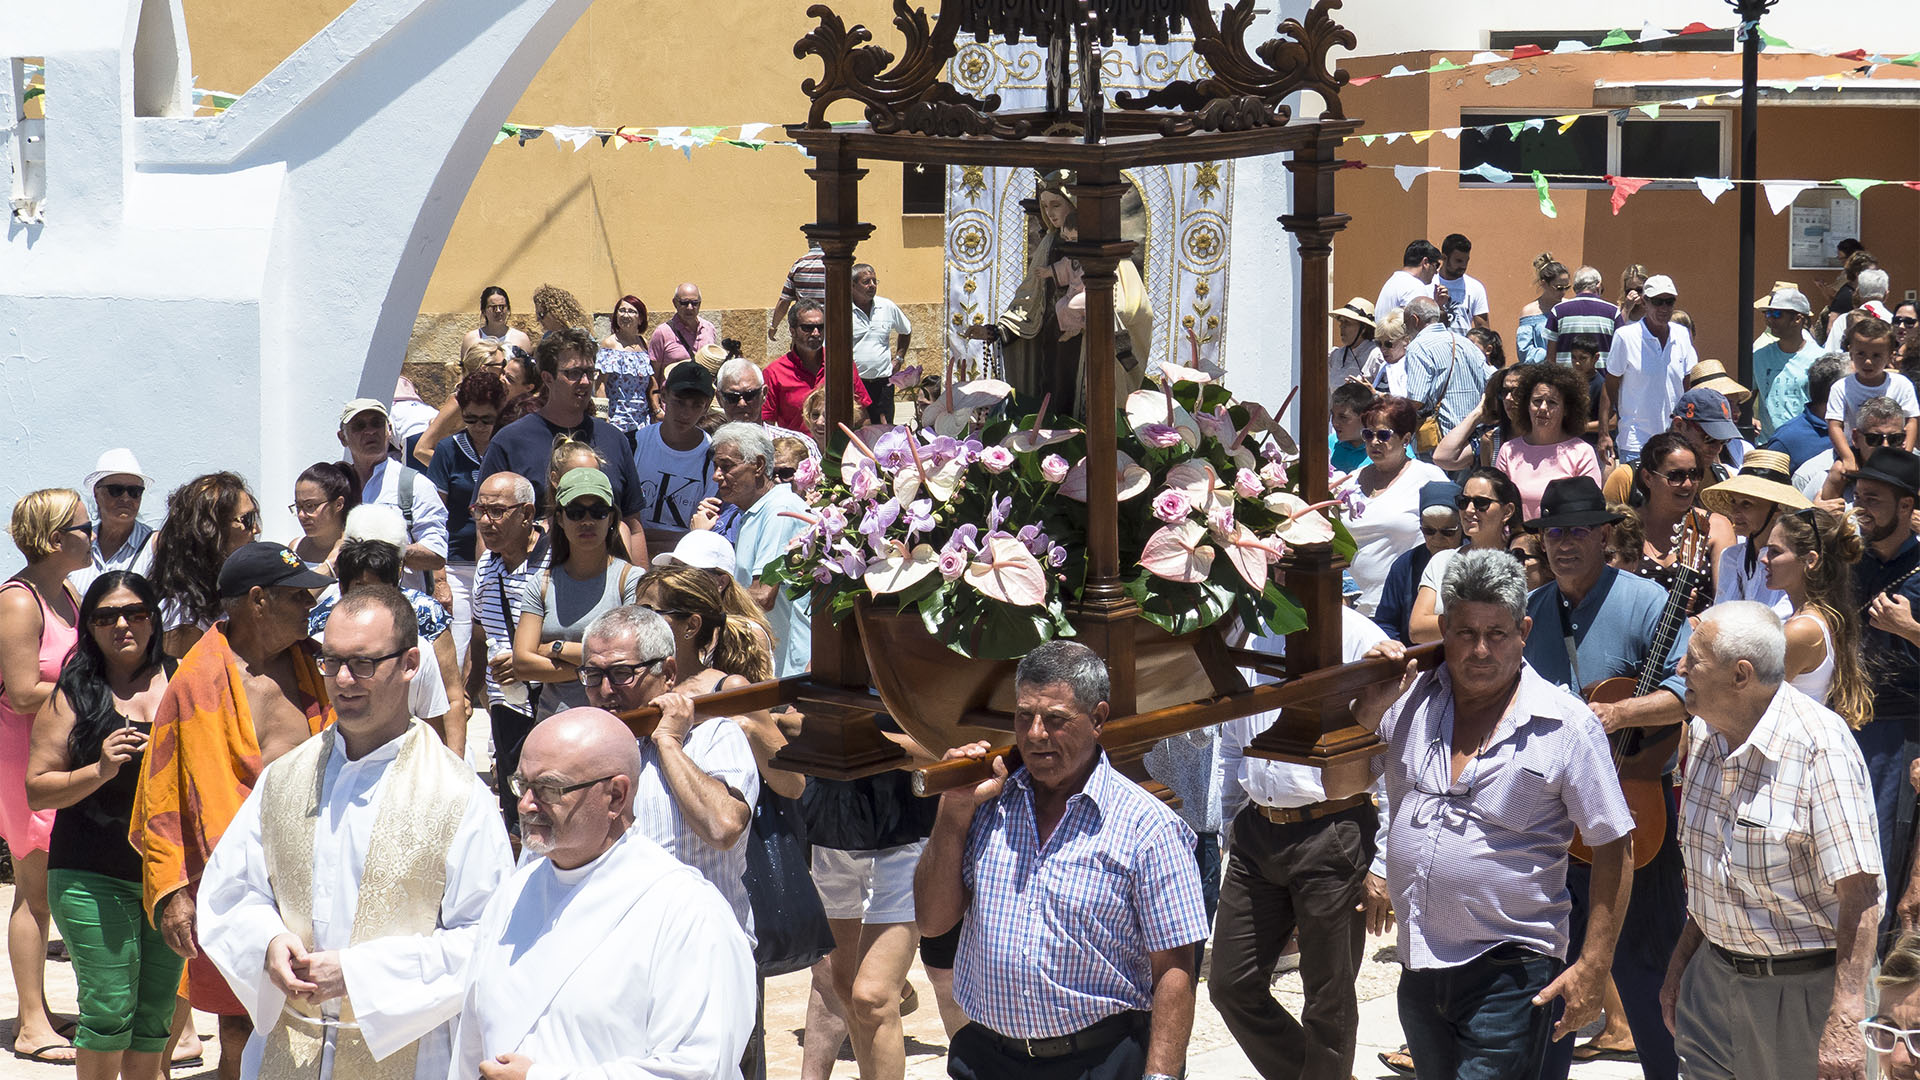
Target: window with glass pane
point(1562, 157)
point(1670, 148)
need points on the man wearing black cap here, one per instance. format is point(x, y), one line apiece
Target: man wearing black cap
point(247, 692)
point(1887, 581)
point(672, 458)
point(1594, 622)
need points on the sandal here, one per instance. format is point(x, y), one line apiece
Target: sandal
point(1400, 1061)
point(44, 1055)
point(1593, 1051)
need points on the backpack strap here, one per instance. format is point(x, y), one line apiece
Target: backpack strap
point(406, 495)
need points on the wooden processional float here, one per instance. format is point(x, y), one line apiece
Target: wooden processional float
point(1161, 685)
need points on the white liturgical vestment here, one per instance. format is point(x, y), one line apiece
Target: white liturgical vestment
point(401, 988)
point(629, 967)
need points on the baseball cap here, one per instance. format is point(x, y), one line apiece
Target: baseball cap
point(689, 378)
point(1709, 409)
point(1786, 300)
point(363, 404)
point(702, 548)
point(580, 482)
point(266, 564)
point(1438, 493)
point(1659, 285)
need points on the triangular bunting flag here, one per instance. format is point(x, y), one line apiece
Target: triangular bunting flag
point(1652, 109)
point(1491, 172)
point(1390, 136)
point(1624, 186)
point(1712, 187)
point(501, 136)
point(1361, 80)
point(1420, 136)
point(1615, 37)
point(1708, 99)
point(1772, 42)
point(1696, 28)
point(1566, 122)
point(1781, 193)
point(1535, 124)
point(1913, 184)
point(1912, 59)
point(1513, 129)
point(1852, 54)
point(1855, 185)
point(1485, 131)
point(1451, 133)
point(1400, 71)
point(1407, 174)
point(1546, 200)
point(751, 132)
point(1522, 52)
point(1570, 46)
point(1650, 32)
point(1367, 140)
point(1486, 58)
point(576, 137)
point(1444, 64)
point(1687, 102)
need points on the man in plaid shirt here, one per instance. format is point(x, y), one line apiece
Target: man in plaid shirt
point(1080, 894)
point(1784, 887)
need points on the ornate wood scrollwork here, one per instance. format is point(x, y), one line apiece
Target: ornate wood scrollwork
point(1246, 90)
point(907, 96)
point(1043, 20)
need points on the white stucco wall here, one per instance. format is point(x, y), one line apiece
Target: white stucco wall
point(1391, 26)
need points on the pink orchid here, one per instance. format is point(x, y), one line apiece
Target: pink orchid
point(1217, 425)
point(1177, 553)
point(1012, 575)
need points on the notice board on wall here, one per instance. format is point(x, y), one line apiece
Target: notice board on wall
point(1817, 221)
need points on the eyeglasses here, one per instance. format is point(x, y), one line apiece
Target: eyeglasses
point(577, 374)
point(1895, 439)
point(620, 674)
point(1662, 301)
point(250, 521)
point(1379, 434)
point(123, 491)
point(548, 792)
point(583, 511)
point(1676, 477)
point(675, 613)
point(491, 511)
point(1480, 503)
point(1568, 532)
point(1882, 1038)
point(84, 528)
point(741, 397)
point(479, 421)
point(363, 667)
point(810, 328)
point(1451, 530)
point(308, 508)
point(107, 617)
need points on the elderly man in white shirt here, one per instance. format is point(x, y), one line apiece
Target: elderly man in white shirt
point(1646, 371)
point(602, 956)
point(367, 433)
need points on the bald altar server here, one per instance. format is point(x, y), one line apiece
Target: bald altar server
point(341, 904)
point(604, 956)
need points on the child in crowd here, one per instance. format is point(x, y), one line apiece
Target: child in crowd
point(1870, 346)
point(1347, 452)
point(788, 453)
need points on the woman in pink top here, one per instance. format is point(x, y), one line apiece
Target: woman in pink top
point(1547, 448)
point(38, 616)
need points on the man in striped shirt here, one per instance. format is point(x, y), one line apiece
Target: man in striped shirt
point(1784, 884)
point(1080, 894)
point(504, 515)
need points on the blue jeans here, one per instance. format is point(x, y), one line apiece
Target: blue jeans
point(1478, 1021)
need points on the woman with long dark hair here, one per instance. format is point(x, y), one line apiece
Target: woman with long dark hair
point(85, 762)
point(494, 309)
point(322, 496)
point(1489, 508)
point(626, 373)
point(589, 574)
point(208, 518)
point(1667, 487)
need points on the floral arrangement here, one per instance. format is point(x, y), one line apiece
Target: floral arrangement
point(979, 523)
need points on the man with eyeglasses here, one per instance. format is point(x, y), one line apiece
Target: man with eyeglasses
point(1491, 770)
point(1882, 424)
point(245, 693)
point(525, 447)
point(1646, 369)
point(602, 955)
point(742, 389)
point(121, 541)
point(1781, 366)
point(1784, 884)
point(1893, 1032)
point(1594, 622)
point(770, 516)
point(686, 333)
point(516, 552)
point(791, 378)
point(345, 897)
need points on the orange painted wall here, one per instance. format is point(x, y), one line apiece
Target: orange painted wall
point(1671, 231)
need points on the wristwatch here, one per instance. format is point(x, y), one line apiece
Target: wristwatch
point(1159, 1076)
point(554, 649)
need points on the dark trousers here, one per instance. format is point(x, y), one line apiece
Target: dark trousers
point(1308, 876)
point(1648, 933)
point(1206, 855)
point(1478, 1021)
point(510, 728)
point(1889, 747)
point(753, 1063)
point(972, 1056)
point(881, 391)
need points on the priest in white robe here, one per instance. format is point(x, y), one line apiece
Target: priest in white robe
point(602, 957)
point(342, 903)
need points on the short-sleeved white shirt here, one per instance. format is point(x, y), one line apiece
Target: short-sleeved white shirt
point(720, 748)
point(1847, 395)
point(873, 337)
point(1468, 300)
point(1652, 378)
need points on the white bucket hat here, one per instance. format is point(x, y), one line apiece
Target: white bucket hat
point(116, 462)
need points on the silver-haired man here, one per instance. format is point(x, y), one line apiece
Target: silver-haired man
point(743, 471)
point(1490, 770)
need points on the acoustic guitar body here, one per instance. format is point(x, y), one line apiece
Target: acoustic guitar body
point(1646, 796)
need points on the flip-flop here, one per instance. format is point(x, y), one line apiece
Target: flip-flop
point(1400, 1061)
point(43, 1054)
point(1590, 1052)
point(193, 1062)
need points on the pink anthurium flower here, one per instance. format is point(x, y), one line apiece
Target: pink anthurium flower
point(1133, 480)
point(1249, 554)
point(901, 569)
point(1178, 553)
point(1010, 574)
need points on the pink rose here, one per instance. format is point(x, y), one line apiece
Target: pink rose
point(805, 476)
point(1054, 468)
point(1220, 520)
point(1275, 474)
point(1158, 436)
point(1247, 484)
point(952, 564)
point(1171, 506)
point(997, 459)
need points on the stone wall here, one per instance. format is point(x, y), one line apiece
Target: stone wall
point(433, 353)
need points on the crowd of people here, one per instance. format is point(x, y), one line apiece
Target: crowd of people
point(428, 790)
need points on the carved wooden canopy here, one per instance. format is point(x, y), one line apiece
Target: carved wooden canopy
point(1246, 89)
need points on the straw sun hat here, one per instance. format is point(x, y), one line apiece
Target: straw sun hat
point(1358, 310)
point(1765, 475)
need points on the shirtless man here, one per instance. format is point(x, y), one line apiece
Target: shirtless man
point(209, 746)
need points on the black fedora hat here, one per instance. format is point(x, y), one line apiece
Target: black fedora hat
point(1898, 469)
point(1572, 500)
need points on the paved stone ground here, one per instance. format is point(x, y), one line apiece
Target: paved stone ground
point(1213, 1054)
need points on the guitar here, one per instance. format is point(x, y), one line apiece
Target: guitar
point(1640, 754)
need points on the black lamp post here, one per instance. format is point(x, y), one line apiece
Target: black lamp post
point(1750, 12)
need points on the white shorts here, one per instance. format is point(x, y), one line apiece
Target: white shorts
point(872, 886)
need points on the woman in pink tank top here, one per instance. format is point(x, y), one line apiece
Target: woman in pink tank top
point(38, 610)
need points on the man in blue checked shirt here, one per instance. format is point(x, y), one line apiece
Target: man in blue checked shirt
point(1080, 894)
point(1490, 769)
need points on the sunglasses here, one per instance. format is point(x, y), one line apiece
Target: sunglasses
point(1895, 439)
point(1904, 320)
point(741, 397)
point(1379, 434)
point(85, 528)
point(1806, 514)
point(582, 511)
point(1480, 503)
point(1451, 530)
point(1681, 476)
point(1527, 558)
point(677, 302)
point(1776, 313)
point(107, 617)
point(123, 491)
point(1662, 301)
point(479, 421)
point(803, 328)
point(250, 521)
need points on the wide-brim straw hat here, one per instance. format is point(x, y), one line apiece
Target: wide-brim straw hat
point(1359, 309)
point(1765, 475)
point(1712, 375)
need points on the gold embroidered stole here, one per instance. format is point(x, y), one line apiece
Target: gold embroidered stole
point(401, 886)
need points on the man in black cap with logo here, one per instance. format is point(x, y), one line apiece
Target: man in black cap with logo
point(673, 459)
point(1595, 622)
point(1887, 582)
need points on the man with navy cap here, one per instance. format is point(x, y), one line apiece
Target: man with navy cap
point(673, 458)
point(1705, 419)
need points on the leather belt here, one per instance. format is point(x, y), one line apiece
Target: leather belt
point(1096, 1036)
point(1775, 965)
point(1294, 815)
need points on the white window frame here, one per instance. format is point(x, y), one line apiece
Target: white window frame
point(1720, 117)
